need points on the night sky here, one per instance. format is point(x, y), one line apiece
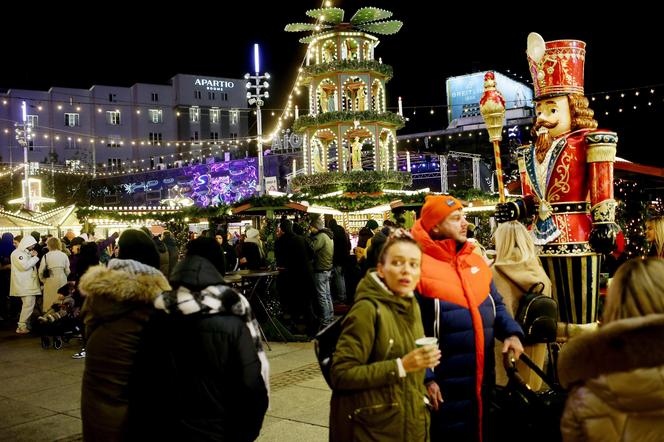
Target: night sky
point(45, 47)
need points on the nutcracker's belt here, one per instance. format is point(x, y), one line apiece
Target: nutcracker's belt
point(571, 207)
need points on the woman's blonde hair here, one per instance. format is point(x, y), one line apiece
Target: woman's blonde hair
point(658, 228)
point(637, 289)
point(53, 243)
point(514, 243)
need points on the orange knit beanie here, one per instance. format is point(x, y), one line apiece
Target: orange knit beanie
point(436, 208)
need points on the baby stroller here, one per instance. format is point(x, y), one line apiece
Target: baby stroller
point(58, 332)
point(60, 323)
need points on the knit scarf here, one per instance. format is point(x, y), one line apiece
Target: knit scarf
point(133, 267)
point(213, 300)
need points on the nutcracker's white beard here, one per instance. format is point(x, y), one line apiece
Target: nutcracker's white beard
point(544, 139)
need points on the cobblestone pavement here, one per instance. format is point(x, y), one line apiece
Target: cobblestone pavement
point(40, 392)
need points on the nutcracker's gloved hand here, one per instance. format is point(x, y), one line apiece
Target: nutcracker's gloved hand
point(515, 210)
point(506, 212)
point(603, 237)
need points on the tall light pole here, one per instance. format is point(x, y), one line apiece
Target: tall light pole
point(255, 96)
point(23, 136)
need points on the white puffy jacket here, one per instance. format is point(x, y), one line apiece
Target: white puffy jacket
point(24, 281)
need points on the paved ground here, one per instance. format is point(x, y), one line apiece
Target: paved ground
point(40, 392)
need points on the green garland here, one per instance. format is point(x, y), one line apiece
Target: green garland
point(363, 199)
point(353, 203)
point(306, 121)
point(475, 195)
point(355, 181)
point(84, 213)
point(347, 66)
point(270, 234)
point(180, 232)
point(264, 201)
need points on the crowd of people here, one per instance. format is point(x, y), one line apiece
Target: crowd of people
point(434, 284)
point(166, 338)
point(124, 294)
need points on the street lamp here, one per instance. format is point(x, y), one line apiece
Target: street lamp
point(255, 95)
point(23, 136)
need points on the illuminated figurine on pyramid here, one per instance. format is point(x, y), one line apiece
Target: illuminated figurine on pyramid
point(567, 181)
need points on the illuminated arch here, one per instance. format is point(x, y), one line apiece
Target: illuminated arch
point(355, 95)
point(387, 146)
point(377, 96)
point(321, 140)
point(326, 96)
point(366, 137)
point(350, 49)
point(328, 51)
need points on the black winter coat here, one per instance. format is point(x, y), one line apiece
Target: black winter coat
point(173, 253)
point(200, 376)
point(341, 246)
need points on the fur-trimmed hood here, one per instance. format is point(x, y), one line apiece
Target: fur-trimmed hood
point(113, 290)
point(622, 362)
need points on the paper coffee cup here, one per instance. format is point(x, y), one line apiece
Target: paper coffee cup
point(425, 342)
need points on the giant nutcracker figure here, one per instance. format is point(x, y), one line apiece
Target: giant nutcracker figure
point(567, 180)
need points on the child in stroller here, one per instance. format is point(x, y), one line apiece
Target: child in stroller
point(60, 322)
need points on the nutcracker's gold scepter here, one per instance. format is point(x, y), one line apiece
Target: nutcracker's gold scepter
point(492, 108)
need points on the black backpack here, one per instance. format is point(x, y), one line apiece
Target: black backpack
point(537, 315)
point(325, 343)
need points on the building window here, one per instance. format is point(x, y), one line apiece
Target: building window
point(113, 143)
point(155, 138)
point(114, 162)
point(214, 116)
point(234, 116)
point(33, 120)
point(156, 116)
point(113, 117)
point(224, 96)
point(154, 96)
point(233, 135)
point(194, 114)
point(72, 120)
point(195, 135)
point(211, 95)
point(198, 95)
point(112, 98)
point(214, 136)
point(71, 143)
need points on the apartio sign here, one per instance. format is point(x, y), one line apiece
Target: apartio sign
point(214, 85)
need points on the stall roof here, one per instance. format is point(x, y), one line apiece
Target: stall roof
point(14, 221)
point(62, 216)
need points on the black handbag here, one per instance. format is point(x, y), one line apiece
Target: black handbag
point(538, 413)
point(46, 272)
point(537, 315)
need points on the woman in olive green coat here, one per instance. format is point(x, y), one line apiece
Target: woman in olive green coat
point(377, 374)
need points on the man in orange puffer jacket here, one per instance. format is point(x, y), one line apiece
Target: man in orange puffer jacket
point(461, 306)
